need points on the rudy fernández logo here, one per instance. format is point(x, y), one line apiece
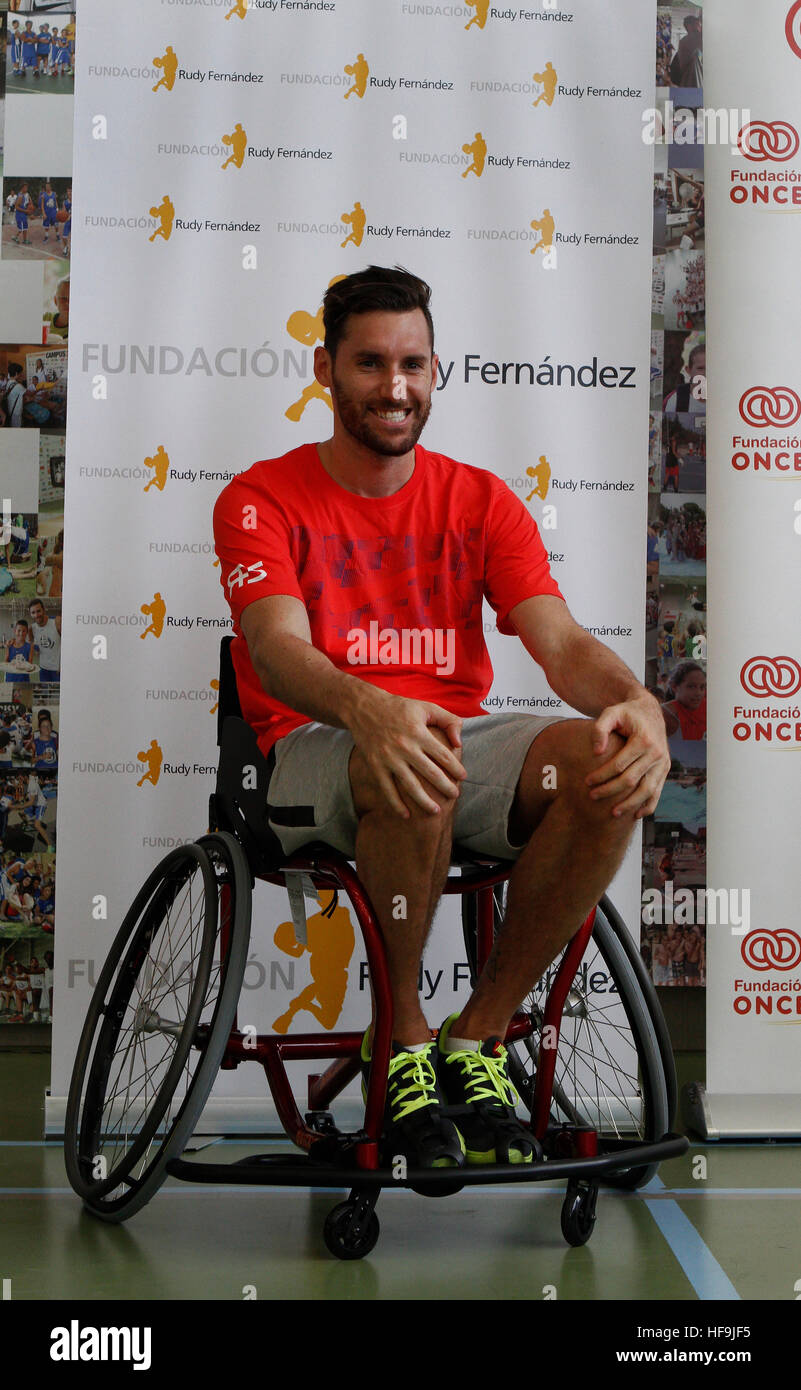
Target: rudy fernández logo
point(359, 71)
point(771, 950)
point(770, 405)
point(768, 140)
point(771, 676)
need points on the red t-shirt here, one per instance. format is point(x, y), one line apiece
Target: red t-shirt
point(692, 722)
point(393, 586)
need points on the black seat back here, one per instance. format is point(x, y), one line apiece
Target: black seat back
point(239, 802)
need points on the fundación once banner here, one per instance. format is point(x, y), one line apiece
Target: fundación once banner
point(230, 161)
point(754, 484)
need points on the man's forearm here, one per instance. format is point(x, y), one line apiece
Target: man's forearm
point(590, 677)
point(305, 680)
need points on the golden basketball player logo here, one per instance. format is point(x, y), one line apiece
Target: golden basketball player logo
point(478, 150)
point(154, 757)
point(240, 10)
point(542, 477)
point(168, 63)
point(356, 219)
point(309, 330)
point(359, 70)
point(545, 226)
point(160, 463)
point(156, 612)
point(330, 942)
point(547, 79)
point(237, 142)
point(214, 684)
point(481, 8)
point(165, 211)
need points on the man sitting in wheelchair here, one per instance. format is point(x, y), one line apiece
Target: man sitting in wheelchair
point(355, 570)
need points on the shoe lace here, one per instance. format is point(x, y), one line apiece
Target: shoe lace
point(484, 1076)
point(415, 1069)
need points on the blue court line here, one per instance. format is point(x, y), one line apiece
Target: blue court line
point(696, 1259)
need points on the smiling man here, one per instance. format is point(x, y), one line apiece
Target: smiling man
point(356, 571)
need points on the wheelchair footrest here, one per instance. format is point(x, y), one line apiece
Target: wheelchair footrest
point(297, 1170)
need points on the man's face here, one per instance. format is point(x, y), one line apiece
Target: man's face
point(382, 378)
point(38, 614)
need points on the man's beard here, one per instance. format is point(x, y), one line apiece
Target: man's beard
point(358, 422)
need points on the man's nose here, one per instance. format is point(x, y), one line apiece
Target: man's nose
point(395, 386)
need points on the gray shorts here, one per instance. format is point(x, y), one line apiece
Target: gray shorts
point(309, 796)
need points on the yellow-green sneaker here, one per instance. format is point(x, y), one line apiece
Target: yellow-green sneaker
point(414, 1125)
point(476, 1086)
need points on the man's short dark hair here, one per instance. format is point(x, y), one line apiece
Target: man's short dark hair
point(14, 369)
point(378, 287)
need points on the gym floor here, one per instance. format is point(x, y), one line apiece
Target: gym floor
point(731, 1234)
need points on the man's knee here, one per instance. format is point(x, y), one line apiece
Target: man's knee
point(368, 795)
point(557, 766)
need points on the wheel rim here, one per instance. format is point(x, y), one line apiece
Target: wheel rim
point(597, 1081)
point(605, 1076)
point(148, 1028)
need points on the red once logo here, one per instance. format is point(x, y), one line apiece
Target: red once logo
point(771, 950)
point(771, 675)
point(763, 140)
point(766, 405)
point(792, 28)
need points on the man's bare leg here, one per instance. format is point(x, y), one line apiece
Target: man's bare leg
point(407, 858)
point(576, 847)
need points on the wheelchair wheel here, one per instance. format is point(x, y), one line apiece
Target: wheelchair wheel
point(158, 1025)
point(612, 1074)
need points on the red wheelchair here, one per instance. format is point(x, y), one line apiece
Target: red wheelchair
point(589, 1051)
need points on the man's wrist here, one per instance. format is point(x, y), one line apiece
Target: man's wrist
point(357, 697)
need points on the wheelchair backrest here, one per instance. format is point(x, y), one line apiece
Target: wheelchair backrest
point(239, 802)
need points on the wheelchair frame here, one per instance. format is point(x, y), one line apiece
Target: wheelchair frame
point(329, 1158)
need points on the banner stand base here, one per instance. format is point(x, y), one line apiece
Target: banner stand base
point(727, 1116)
point(254, 1116)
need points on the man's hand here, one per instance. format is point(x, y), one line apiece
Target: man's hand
point(638, 770)
point(397, 739)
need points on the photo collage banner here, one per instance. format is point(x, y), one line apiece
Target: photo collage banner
point(673, 937)
point(37, 67)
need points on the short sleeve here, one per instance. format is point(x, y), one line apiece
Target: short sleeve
point(516, 565)
point(252, 542)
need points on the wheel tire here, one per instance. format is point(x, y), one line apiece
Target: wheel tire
point(340, 1238)
point(578, 1214)
point(652, 1001)
point(610, 1069)
point(178, 908)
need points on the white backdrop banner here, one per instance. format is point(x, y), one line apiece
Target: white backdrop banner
point(754, 486)
point(230, 161)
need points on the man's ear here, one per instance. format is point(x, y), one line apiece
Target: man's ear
point(322, 366)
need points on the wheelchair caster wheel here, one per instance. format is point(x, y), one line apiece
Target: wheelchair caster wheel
point(349, 1234)
point(578, 1212)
